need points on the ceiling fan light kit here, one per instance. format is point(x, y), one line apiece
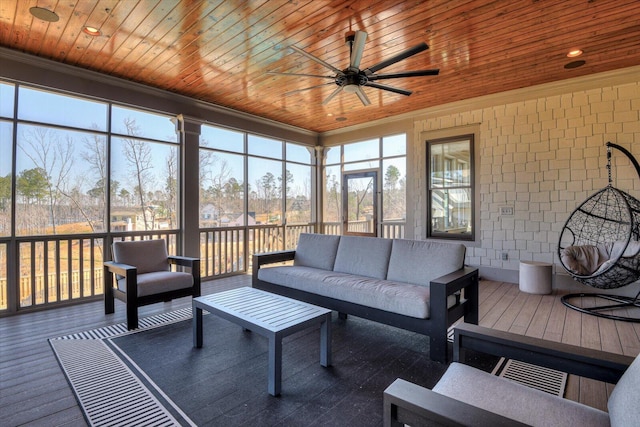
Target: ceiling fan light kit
point(352, 79)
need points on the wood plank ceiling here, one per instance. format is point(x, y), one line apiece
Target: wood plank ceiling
point(220, 50)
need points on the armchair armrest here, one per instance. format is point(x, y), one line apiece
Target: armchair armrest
point(595, 364)
point(183, 260)
point(408, 403)
point(119, 268)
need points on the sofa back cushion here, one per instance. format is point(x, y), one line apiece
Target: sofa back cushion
point(419, 261)
point(146, 255)
point(625, 398)
point(316, 250)
point(363, 256)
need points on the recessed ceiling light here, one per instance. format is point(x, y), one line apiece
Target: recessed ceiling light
point(91, 31)
point(44, 14)
point(573, 53)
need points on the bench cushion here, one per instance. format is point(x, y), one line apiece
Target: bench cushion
point(401, 298)
point(419, 262)
point(516, 401)
point(363, 256)
point(316, 250)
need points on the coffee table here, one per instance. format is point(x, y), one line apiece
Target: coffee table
point(269, 315)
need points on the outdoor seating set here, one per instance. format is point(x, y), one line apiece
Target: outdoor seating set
point(416, 285)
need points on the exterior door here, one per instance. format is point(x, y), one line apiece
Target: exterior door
point(360, 204)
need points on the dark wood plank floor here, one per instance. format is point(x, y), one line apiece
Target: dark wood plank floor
point(33, 390)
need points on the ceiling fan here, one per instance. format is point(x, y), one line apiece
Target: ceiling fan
point(352, 78)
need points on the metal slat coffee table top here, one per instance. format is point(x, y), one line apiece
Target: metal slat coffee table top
point(272, 316)
point(268, 311)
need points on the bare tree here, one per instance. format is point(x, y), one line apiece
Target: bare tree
point(138, 155)
point(55, 157)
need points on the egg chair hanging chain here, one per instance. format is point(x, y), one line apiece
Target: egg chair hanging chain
point(626, 153)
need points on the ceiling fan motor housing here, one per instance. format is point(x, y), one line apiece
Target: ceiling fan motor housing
point(351, 77)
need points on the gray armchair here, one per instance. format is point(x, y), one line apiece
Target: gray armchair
point(466, 396)
point(140, 274)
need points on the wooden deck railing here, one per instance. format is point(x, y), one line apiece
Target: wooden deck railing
point(61, 269)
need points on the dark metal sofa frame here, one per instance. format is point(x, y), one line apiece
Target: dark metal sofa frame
point(465, 279)
point(408, 403)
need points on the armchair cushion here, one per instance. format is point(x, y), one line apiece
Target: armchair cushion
point(625, 397)
point(515, 401)
point(146, 255)
point(159, 282)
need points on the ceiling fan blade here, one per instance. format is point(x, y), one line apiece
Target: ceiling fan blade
point(291, 92)
point(316, 59)
point(330, 97)
point(357, 48)
point(389, 88)
point(399, 57)
point(278, 73)
point(363, 96)
point(404, 74)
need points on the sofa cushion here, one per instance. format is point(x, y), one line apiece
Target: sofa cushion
point(316, 250)
point(145, 255)
point(420, 261)
point(516, 401)
point(159, 282)
point(401, 298)
point(625, 398)
point(363, 256)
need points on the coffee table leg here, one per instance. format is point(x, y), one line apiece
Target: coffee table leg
point(325, 341)
point(275, 364)
point(197, 325)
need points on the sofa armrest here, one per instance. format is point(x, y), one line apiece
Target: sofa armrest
point(459, 279)
point(408, 403)
point(595, 364)
point(466, 279)
point(270, 258)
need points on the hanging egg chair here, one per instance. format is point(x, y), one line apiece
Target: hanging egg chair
point(600, 247)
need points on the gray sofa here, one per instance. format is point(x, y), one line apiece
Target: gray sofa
point(420, 286)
